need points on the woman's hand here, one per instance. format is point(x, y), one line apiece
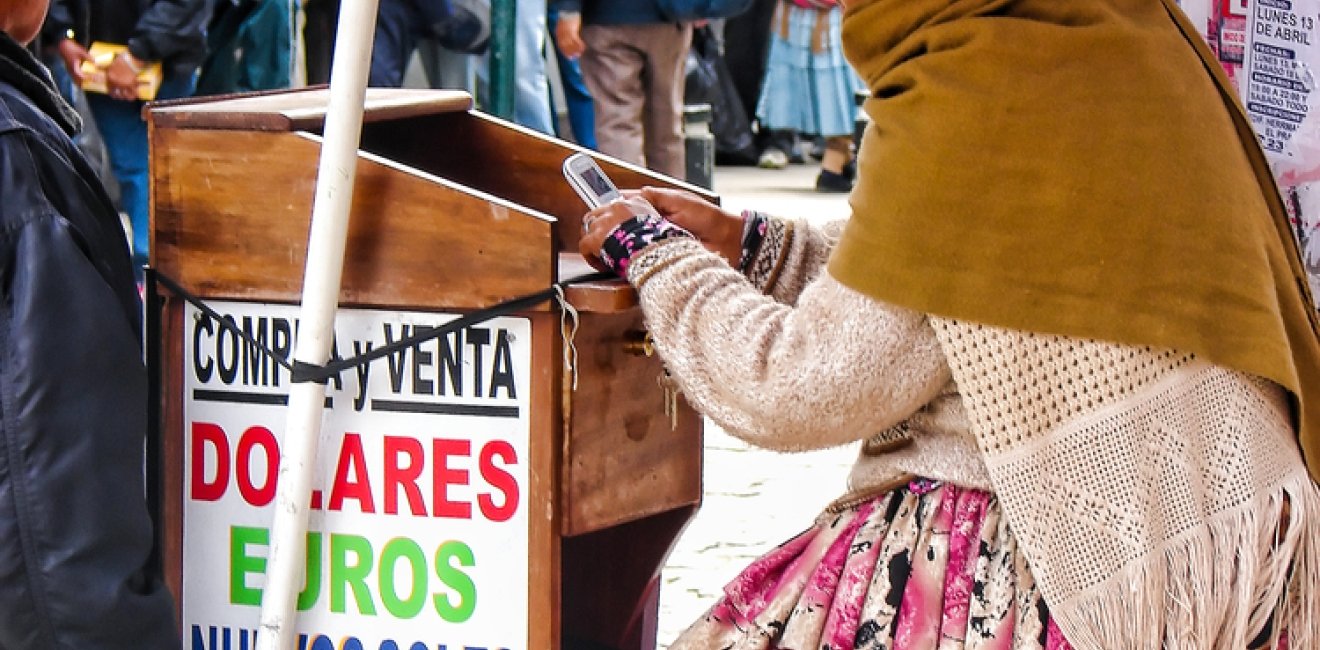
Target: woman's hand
point(599, 223)
point(720, 231)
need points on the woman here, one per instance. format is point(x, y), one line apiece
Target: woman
point(1068, 321)
point(809, 88)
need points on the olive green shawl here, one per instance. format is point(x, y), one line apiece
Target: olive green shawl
point(1073, 167)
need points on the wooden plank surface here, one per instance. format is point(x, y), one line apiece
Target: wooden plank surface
point(302, 109)
point(231, 212)
point(505, 160)
point(598, 296)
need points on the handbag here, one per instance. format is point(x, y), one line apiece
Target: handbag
point(709, 81)
point(682, 11)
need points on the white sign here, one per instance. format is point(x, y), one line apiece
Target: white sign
point(419, 521)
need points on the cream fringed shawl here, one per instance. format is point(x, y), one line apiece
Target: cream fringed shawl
point(1145, 488)
point(1080, 169)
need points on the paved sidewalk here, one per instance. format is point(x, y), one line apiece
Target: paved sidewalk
point(754, 499)
point(790, 192)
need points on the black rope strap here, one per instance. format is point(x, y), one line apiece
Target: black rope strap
point(306, 372)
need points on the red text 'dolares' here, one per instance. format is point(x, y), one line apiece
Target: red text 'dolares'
point(420, 477)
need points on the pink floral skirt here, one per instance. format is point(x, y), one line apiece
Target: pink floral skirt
point(925, 566)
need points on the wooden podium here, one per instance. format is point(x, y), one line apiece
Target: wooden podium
point(456, 475)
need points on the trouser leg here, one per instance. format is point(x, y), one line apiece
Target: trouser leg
point(667, 47)
point(612, 68)
point(397, 22)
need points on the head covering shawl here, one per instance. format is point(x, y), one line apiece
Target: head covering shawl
point(1073, 167)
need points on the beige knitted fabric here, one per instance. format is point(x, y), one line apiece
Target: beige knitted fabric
point(1145, 488)
point(786, 371)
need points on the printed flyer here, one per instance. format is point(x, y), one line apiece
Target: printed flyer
point(1278, 81)
point(1277, 87)
point(1271, 51)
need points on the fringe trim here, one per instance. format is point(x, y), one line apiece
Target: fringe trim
point(1216, 587)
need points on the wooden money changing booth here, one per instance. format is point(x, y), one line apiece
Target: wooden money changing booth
point(495, 487)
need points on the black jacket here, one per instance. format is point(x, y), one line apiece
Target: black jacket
point(170, 31)
point(75, 534)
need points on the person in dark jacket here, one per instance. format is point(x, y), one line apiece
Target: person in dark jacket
point(633, 60)
point(248, 48)
point(172, 32)
point(75, 535)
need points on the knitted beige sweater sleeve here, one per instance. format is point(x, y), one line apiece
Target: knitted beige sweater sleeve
point(792, 255)
point(813, 364)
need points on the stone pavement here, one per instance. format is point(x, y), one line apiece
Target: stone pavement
point(754, 499)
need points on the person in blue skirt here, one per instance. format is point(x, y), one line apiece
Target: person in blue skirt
point(809, 86)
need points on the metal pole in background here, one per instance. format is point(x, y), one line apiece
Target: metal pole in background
point(503, 46)
point(320, 299)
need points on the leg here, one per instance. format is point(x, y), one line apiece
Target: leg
point(125, 137)
point(531, 89)
point(581, 108)
point(746, 47)
point(666, 48)
point(581, 111)
point(319, 39)
point(838, 153)
point(531, 93)
point(396, 25)
point(176, 86)
point(612, 68)
point(428, 53)
point(444, 67)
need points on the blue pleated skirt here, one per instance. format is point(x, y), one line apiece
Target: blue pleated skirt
point(809, 86)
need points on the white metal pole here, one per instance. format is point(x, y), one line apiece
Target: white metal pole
point(320, 299)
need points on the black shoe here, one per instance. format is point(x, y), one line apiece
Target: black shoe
point(829, 181)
